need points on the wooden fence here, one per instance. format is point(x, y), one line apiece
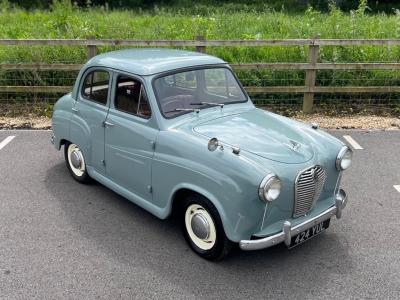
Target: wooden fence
point(311, 67)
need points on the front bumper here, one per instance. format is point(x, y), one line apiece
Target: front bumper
point(288, 231)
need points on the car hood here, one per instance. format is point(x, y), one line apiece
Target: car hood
point(261, 133)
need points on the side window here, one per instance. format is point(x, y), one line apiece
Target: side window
point(131, 97)
point(96, 85)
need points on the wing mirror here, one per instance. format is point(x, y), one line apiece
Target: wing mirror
point(213, 145)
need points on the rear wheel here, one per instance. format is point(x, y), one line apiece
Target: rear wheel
point(76, 162)
point(202, 228)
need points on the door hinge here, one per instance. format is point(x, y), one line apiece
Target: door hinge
point(103, 162)
point(153, 145)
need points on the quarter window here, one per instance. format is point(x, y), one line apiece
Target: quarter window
point(96, 85)
point(131, 97)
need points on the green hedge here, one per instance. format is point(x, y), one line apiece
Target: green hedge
point(66, 21)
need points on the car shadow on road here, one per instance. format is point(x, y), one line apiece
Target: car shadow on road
point(127, 233)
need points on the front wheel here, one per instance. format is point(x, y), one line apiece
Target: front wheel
point(76, 162)
point(203, 230)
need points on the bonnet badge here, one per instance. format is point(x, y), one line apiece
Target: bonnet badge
point(295, 146)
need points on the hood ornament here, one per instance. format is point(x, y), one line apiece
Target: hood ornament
point(295, 145)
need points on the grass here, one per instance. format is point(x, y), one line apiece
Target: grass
point(66, 21)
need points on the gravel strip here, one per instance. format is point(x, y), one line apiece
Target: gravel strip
point(327, 122)
point(351, 122)
point(29, 122)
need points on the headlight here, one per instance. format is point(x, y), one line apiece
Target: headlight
point(343, 160)
point(270, 188)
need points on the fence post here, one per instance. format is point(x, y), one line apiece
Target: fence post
point(92, 49)
point(201, 49)
point(308, 101)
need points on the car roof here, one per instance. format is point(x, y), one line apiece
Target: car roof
point(152, 61)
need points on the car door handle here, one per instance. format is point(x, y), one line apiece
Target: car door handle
point(74, 109)
point(109, 124)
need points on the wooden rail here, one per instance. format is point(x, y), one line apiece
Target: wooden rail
point(249, 66)
point(250, 89)
point(200, 44)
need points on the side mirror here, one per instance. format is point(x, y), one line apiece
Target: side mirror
point(213, 145)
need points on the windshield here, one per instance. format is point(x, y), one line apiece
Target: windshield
point(189, 91)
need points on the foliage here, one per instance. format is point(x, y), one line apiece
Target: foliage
point(66, 20)
point(295, 6)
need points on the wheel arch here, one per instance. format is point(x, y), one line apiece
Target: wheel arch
point(58, 143)
point(63, 142)
point(184, 190)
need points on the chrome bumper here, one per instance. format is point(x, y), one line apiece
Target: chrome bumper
point(288, 231)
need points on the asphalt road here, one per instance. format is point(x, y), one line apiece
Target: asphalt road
point(62, 239)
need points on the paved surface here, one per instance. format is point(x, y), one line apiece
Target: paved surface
point(61, 239)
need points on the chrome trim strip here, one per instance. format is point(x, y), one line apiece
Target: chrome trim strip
point(338, 181)
point(288, 231)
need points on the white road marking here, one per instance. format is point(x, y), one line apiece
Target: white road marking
point(397, 187)
point(6, 141)
point(352, 142)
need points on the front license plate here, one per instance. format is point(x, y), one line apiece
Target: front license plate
point(309, 233)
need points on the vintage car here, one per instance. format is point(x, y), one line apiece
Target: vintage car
point(175, 132)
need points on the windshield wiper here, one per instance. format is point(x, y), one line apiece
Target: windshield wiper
point(209, 103)
point(184, 109)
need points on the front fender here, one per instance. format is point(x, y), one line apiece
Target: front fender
point(197, 189)
point(229, 181)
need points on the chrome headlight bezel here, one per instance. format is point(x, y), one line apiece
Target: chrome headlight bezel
point(269, 181)
point(344, 153)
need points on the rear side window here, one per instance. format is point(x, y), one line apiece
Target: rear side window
point(95, 86)
point(131, 97)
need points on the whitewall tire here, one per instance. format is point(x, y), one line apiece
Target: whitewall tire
point(76, 162)
point(200, 227)
point(203, 229)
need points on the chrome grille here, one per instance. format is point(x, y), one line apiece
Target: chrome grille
point(308, 188)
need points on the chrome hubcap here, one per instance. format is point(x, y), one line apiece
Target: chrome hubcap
point(76, 159)
point(200, 226)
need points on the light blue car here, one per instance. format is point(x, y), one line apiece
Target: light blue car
point(175, 132)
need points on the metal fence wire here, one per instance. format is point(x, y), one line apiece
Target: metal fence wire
point(35, 73)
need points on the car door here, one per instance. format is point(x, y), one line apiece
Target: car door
point(130, 136)
point(89, 113)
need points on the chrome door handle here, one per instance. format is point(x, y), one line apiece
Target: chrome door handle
point(74, 109)
point(109, 124)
